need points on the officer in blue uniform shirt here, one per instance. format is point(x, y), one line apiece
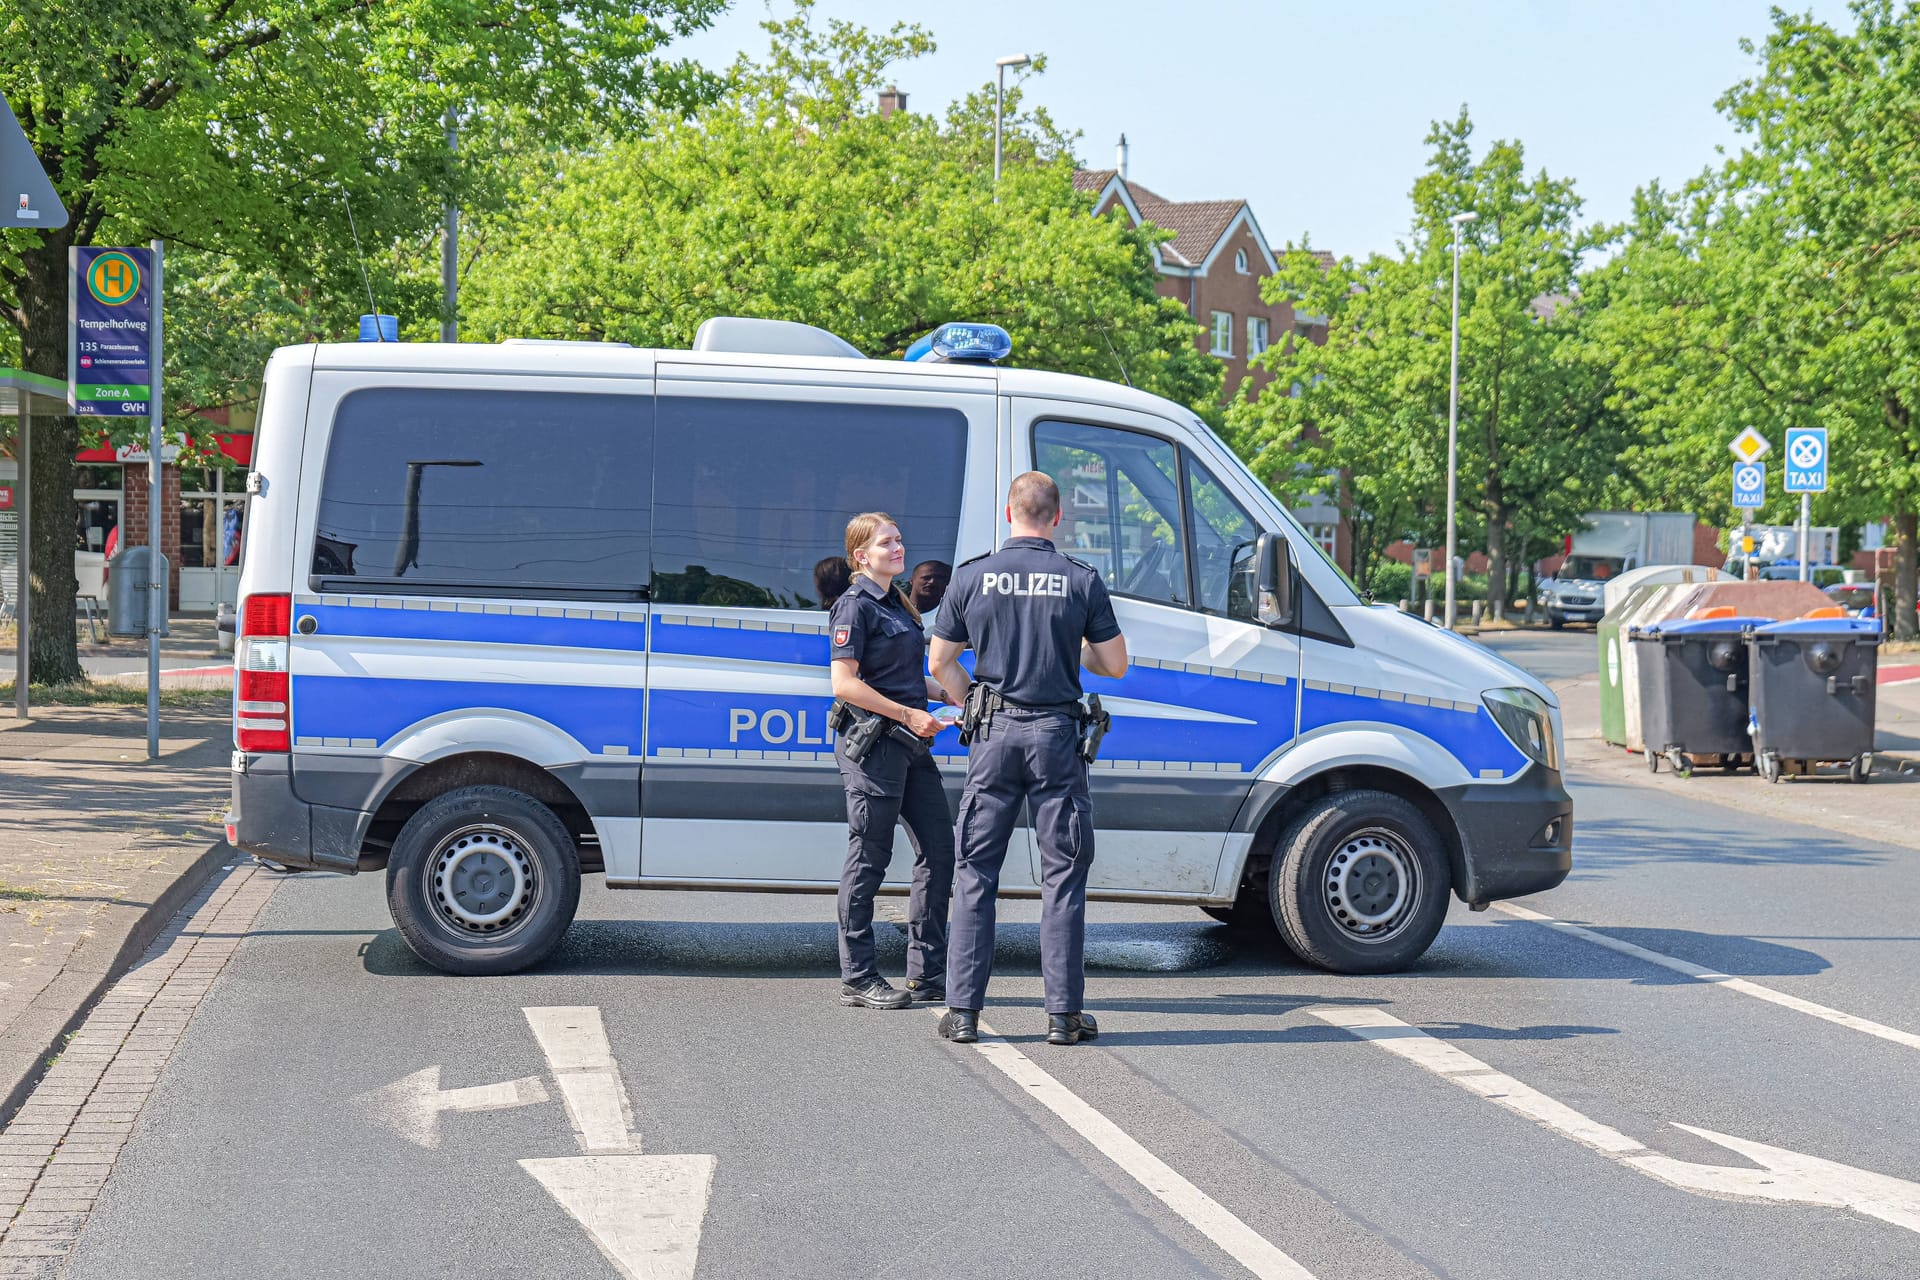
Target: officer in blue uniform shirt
point(1034, 617)
point(878, 657)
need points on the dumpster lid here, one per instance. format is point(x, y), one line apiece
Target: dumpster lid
point(1822, 627)
point(1705, 626)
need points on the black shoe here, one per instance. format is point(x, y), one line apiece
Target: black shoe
point(927, 991)
point(962, 1026)
point(1071, 1028)
point(873, 993)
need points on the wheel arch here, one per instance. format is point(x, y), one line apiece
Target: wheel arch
point(424, 782)
point(1283, 804)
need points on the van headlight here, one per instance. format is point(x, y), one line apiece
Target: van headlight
point(1526, 719)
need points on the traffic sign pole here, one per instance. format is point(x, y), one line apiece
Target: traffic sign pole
point(157, 601)
point(1806, 503)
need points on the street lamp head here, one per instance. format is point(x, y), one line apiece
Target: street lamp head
point(1459, 218)
point(1012, 60)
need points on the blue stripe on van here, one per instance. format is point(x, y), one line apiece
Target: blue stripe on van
point(747, 644)
point(1472, 739)
point(369, 707)
point(628, 634)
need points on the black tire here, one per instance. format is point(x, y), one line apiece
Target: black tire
point(1860, 768)
point(1556, 622)
point(1768, 765)
point(520, 888)
point(1653, 760)
point(1407, 882)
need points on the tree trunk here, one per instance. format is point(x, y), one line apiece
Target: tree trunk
point(56, 653)
point(1497, 516)
point(1906, 524)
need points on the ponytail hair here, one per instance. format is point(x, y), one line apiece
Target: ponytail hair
point(860, 531)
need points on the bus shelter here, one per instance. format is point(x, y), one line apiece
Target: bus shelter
point(22, 395)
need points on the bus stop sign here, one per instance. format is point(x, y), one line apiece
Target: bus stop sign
point(27, 199)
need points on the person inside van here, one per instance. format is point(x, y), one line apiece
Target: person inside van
point(929, 583)
point(878, 655)
point(830, 580)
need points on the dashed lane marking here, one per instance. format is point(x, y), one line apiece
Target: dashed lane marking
point(1201, 1211)
point(1723, 980)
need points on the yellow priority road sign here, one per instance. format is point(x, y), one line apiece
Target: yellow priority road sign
point(1749, 446)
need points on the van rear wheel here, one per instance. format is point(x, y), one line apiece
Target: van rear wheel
point(1360, 883)
point(483, 880)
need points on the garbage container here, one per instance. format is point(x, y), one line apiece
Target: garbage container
point(1610, 631)
point(1813, 694)
point(1693, 691)
point(129, 591)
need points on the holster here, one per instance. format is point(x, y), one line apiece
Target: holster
point(976, 714)
point(858, 730)
point(1094, 723)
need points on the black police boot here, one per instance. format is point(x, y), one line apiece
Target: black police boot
point(873, 993)
point(962, 1026)
point(1071, 1028)
point(927, 990)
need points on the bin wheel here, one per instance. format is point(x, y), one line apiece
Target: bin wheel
point(1860, 768)
point(1682, 762)
point(1768, 764)
point(1653, 760)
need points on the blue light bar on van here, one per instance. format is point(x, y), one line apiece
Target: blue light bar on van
point(379, 328)
point(964, 344)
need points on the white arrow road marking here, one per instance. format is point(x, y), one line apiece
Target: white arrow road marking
point(1722, 980)
point(1784, 1176)
point(575, 1043)
point(1205, 1214)
point(412, 1104)
point(643, 1212)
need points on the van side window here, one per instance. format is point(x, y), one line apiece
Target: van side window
point(471, 492)
point(752, 496)
point(1222, 534)
point(1119, 506)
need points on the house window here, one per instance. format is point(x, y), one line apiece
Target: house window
point(1240, 261)
point(1326, 535)
point(1256, 335)
point(1223, 333)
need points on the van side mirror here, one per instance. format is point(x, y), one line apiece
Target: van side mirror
point(1273, 570)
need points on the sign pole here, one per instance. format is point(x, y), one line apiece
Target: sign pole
point(23, 640)
point(1806, 502)
point(157, 601)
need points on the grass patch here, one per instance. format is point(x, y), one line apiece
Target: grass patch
point(109, 694)
point(15, 893)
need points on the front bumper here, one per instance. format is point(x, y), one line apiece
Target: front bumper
point(267, 818)
point(1516, 837)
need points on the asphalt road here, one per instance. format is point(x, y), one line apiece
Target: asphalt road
point(854, 1143)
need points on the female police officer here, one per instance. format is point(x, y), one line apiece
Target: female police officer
point(879, 666)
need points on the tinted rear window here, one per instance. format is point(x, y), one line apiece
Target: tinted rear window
point(519, 491)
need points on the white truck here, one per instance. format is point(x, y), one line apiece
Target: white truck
point(1776, 549)
point(1612, 543)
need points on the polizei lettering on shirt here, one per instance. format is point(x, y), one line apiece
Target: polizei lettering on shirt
point(1024, 584)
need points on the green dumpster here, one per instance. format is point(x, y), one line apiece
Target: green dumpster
point(1613, 697)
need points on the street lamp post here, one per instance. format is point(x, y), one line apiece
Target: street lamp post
point(1000, 66)
point(1453, 421)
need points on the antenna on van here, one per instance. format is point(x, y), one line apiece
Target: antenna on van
point(1109, 341)
point(360, 257)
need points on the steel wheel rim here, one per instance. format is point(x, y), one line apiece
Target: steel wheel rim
point(481, 881)
point(1371, 885)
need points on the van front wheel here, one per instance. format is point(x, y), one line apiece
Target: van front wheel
point(1360, 883)
point(483, 880)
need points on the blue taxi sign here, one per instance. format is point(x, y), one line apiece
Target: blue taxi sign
point(1805, 463)
point(1749, 485)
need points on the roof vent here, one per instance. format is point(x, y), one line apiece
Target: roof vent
point(770, 338)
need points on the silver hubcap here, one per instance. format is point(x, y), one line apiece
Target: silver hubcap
point(482, 880)
point(1371, 884)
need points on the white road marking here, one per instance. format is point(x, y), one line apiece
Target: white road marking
point(412, 1104)
point(1205, 1214)
point(575, 1043)
point(1724, 980)
point(1784, 1176)
point(644, 1213)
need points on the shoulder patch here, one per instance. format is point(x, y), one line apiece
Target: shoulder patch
point(841, 635)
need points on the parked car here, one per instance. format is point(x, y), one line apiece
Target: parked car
point(1860, 599)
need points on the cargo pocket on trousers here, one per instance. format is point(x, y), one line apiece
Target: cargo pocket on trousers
point(1080, 831)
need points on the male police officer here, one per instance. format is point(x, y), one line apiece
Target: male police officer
point(1033, 617)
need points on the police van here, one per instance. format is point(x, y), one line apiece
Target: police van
point(512, 614)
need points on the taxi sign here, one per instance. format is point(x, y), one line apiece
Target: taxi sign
point(1806, 468)
point(1749, 485)
point(1749, 446)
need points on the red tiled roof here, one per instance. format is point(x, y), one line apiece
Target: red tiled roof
point(1092, 181)
point(1197, 225)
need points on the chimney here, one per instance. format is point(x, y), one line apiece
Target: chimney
point(891, 100)
point(1120, 156)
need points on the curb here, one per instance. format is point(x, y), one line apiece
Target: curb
point(123, 934)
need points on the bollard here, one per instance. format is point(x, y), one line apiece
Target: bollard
point(1426, 610)
point(1406, 605)
point(1479, 611)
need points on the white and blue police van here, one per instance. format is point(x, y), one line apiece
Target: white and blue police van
point(515, 613)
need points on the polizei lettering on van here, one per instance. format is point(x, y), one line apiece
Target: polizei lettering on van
point(775, 726)
point(1024, 584)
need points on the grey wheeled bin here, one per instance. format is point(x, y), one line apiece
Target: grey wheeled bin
point(1693, 692)
point(1812, 690)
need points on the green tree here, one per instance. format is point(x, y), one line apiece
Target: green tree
point(791, 197)
point(236, 127)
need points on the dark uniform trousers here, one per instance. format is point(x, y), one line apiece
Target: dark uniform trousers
point(894, 783)
point(1031, 756)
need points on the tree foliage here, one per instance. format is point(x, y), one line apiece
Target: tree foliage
point(792, 197)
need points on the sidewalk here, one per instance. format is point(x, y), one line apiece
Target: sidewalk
point(98, 848)
point(1886, 809)
point(188, 657)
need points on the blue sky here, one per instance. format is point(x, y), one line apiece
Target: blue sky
point(1315, 113)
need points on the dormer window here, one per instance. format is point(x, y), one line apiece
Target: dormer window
point(1240, 261)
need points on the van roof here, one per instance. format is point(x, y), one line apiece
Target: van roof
point(595, 359)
